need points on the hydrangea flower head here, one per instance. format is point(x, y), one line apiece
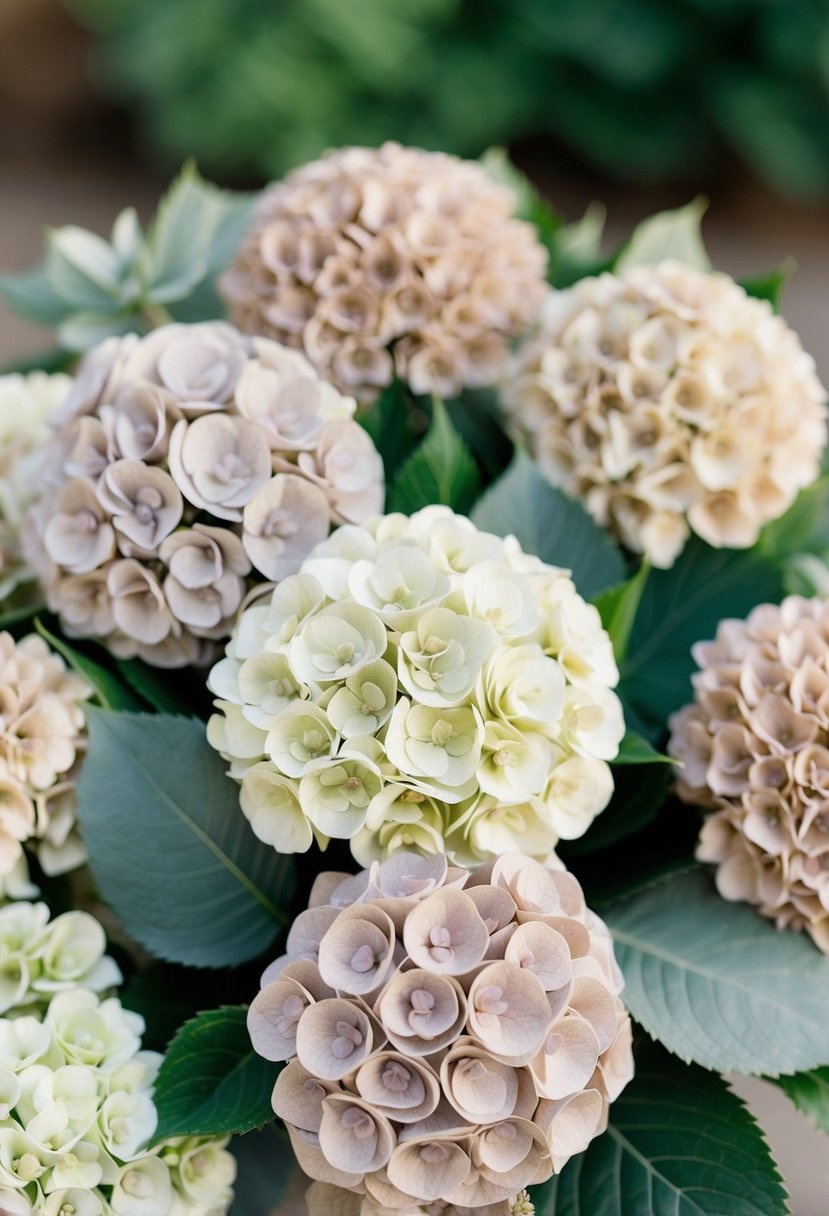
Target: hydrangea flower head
point(419, 684)
point(668, 402)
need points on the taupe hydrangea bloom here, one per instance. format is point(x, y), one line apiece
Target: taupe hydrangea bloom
point(391, 260)
point(755, 753)
point(186, 466)
point(451, 1037)
point(26, 405)
point(42, 740)
point(668, 401)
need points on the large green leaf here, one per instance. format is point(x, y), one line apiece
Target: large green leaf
point(440, 470)
point(810, 1093)
point(547, 523)
point(107, 689)
point(389, 422)
point(669, 234)
point(212, 1082)
point(618, 607)
point(679, 1143)
point(171, 850)
point(718, 984)
point(682, 606)
point(805, 526)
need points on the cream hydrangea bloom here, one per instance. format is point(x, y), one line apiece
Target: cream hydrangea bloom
point(42, 741)
point(77, 1116)
point(186, 466)
point(419, 685)
point(451, 1037)
point(390, 260)
point(26, 406)
point(754, 748)
point(668, 401)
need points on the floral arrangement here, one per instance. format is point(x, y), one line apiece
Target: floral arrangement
point(542, 653)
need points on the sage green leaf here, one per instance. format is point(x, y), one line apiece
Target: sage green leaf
point(31, 295)
point(82, 330)
point(194, 235)
point(618, 607)
point(109, 692)
point(154, 686)
point(679, 1143)
point(212, 1082)
point(810, 1093)
point(670, 234)
point(717, 983)
point(805, 526)
point(171, 850)
point(440, 470)
point(549, 524)
point(682, 606)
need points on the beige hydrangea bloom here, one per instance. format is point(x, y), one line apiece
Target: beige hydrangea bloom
point(419, 684)
point(755, 753)
point(42, 741)
point(26, 406)
point(668, 402)
point(451, 1037)
point(185, 467)
point(390, 260)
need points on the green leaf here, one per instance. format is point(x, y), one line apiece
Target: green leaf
point(810, 1093)
point(440, 470)
point(717, 983)
point(682, 606)
point(476, 417)
point(805, 526)
point(171, 850)
point(634, 749)
point(577, 250)
point(618, 607)
point(679, 1142)
point(194, 235)
point(267, 1165)
point(212, 1082)
point(31, 295)
point(82, 330)
point(770, 286)
point(639, 792)
point(155, 687)
point(109, 691)
point(550, 525)
point(670, 234)
point(388, 422)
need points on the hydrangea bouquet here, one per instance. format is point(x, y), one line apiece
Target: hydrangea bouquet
point(414, 670)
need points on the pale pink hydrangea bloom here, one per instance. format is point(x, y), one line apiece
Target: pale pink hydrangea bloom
point(754, 748)
point(451, 1038)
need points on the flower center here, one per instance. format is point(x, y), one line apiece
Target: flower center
point(348, 1037)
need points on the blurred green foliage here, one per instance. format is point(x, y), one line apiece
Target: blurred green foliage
point(640, 88)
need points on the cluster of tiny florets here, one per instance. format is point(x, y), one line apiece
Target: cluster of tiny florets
point(451, 1038)
point(668, 401)
point(420, 684)
point(390, 261)
point(754, 749)
point(189, 464)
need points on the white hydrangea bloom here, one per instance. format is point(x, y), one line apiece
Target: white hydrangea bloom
point(419, 684)
point(26, 405)
point(77, 1117)
point(668, 401)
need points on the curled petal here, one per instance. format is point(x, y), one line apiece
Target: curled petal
point(354, 1137)
point(428, 1170)
point(403, 1089)
point(333, 1038)
point(509, 1013)
point(445, 933)
point(274, 1016)
point(357, 951)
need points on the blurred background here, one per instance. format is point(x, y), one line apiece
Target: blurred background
point(638, 103)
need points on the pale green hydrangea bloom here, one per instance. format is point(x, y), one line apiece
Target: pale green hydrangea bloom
point(77, 1117)
point(420, 685)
